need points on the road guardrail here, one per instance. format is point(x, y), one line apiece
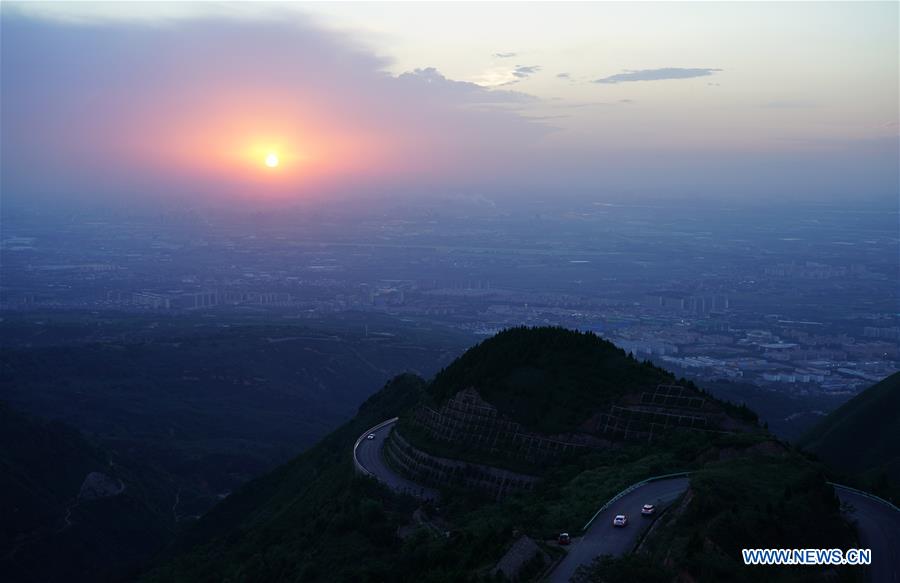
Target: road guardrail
point(419, 492)
point(630, 489)
point(359, 467)
point(865, 494)
point(637, 485)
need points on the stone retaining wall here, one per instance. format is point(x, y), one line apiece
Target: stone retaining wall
point(425, 468)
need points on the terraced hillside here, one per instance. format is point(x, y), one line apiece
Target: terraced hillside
point(526, 398)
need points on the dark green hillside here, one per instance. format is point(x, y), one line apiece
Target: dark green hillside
point(755, 501)
point(862, 437)
point(186, 409)
point(90, 538)
point(43, 466)
point(311, 519)
point(548, 379)
point(214, 406)
point(316, 519)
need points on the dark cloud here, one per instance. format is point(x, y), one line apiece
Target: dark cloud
point(524, 71)
point(521, 72)
point(505, 55)
point(657, 75)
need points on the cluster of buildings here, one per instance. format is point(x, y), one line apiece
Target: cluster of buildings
point(195, 300)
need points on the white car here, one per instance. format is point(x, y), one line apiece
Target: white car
point(370, 436)
point(620, 520)
point(648, 510)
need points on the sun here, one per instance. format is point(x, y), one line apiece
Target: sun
point(272, 160)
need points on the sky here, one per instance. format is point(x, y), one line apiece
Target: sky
point(183, 103)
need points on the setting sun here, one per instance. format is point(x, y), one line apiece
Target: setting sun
point(272, 160)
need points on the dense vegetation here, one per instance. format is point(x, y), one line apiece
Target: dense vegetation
point(548, 379)
point(756, 501)
point(209, 406)
point(42, 468)
point(861, 439)
point(311, 519)
point(339, 527)
point(315, 519)
point(185, 408)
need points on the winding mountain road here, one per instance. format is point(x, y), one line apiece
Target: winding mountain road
point(602, 538)
point(878, 525)
point(368, 455)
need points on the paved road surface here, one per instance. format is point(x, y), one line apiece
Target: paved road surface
point(604, 539)
point(370, 456)
point(879, 529)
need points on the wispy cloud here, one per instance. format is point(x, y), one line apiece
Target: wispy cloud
point(656, 74)
point(505, 55)
point(563, 76)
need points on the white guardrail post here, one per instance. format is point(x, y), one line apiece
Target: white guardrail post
point(629, 489)
point(359, 466)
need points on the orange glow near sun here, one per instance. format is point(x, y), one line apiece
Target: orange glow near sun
point(259, 148)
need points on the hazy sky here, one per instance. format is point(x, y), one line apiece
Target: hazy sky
point(175, 101)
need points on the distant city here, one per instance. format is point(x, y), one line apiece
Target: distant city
point(802, 304)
